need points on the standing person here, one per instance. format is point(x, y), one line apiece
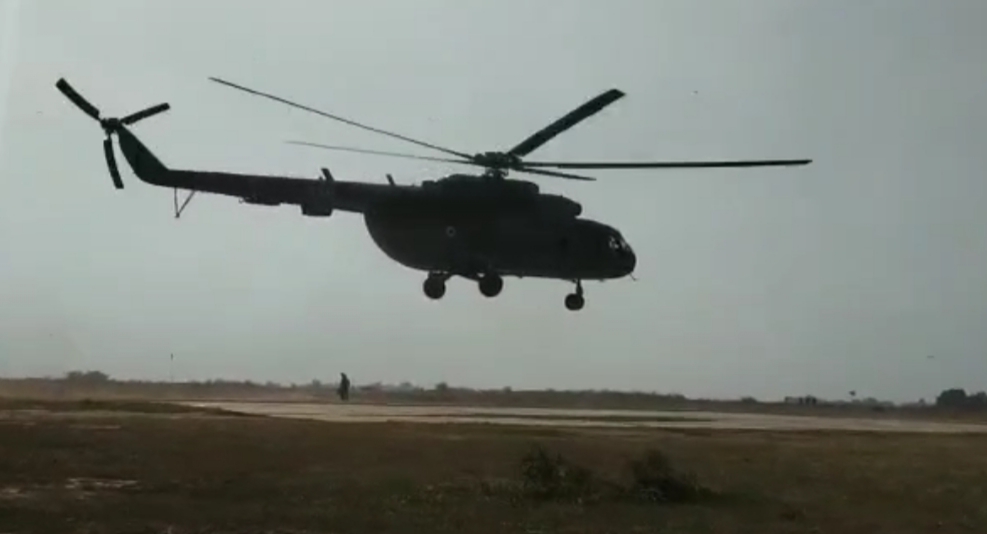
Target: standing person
point(344, 387)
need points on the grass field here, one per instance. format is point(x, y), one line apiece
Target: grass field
point(141, 467)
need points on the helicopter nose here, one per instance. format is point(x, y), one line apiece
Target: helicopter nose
point(630, 261)
point(626, 261)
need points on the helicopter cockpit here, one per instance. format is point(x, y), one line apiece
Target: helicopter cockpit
point(619, 252)
point(617, 244)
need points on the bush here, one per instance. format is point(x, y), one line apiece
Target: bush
point(654, 479)
point(551, 477)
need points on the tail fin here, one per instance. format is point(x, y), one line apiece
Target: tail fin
point(144, 163)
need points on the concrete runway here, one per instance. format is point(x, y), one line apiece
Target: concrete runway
point(338, 412)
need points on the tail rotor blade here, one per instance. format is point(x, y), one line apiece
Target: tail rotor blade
point(109, 125)
point(111, 163)
point(77, 99)
point(141, 115)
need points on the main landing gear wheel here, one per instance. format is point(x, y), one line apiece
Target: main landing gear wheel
point(491, 285)
point(435, 286)
point(575, 301)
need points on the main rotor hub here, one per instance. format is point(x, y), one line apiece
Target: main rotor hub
point(497, 160)
point(495, 173)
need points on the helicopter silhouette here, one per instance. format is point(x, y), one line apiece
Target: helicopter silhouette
point(482, 227)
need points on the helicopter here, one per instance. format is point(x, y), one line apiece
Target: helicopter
point(481, 227)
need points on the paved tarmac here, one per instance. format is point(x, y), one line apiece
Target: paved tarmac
point(339, 412)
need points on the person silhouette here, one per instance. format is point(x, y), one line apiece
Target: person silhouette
point(344, 387)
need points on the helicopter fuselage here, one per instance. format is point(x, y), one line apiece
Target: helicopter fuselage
point(465, 229)
point(472, 246)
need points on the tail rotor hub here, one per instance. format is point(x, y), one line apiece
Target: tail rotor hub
point(110, 125)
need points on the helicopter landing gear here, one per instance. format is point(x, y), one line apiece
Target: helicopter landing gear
point(491, 284)
point(575, 301)
point(435, 285)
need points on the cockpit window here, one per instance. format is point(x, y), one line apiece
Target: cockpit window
point(617, 243)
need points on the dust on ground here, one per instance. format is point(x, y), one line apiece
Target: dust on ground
point(339, 412)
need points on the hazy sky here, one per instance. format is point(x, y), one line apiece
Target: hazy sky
point(846, 274)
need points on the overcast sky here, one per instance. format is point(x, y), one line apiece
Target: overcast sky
point(844, 275)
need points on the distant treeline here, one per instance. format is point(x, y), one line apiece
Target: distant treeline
point(96, 384)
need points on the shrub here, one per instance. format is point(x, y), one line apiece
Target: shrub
point(551, 477)
point(654, 479)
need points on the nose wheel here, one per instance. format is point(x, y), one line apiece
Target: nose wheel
point(575, 301)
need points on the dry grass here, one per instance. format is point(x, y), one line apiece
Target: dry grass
point(122, 471)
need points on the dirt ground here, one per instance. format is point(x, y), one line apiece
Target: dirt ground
point(339, 412)
point(109, 467)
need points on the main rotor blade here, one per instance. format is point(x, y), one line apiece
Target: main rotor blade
point(555, 174)
point(63, 85)
point(574, 117)
point(341, 119)
point(667, 164)
point(379, 152)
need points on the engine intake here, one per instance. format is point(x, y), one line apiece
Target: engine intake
point(558, 206)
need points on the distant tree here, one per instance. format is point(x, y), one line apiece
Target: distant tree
point(807, 400)
point(89, 377)
point(951, 397)
point(442, 387)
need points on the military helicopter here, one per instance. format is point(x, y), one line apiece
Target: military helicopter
point(479, 227)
